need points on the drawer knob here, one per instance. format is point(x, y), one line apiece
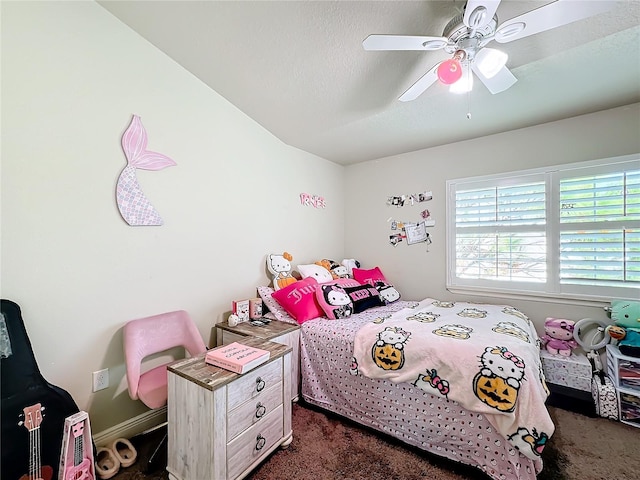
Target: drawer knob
point(259, 384)
point(260, 441)
point(260, 410)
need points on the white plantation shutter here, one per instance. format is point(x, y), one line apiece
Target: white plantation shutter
point(598, 244)
point(568, 230)
point(500, 232)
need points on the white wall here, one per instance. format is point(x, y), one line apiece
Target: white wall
point(72, 76)
point(420, 271)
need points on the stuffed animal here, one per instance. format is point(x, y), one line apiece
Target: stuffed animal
point(329, 265)
point(280, 268)
point(350, 264)
point(337, 270)
point(626, 315)
point(558, 338)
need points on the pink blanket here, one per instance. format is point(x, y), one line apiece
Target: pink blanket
point(485, 357)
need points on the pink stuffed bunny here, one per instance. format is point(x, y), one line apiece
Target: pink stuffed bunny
point(558, 338)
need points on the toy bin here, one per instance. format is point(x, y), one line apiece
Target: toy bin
point(624, 371)
point(629, 403)
point(573, 371)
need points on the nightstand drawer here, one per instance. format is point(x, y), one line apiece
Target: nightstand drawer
point(254, 443)
point(253, 411)
point(252, 385)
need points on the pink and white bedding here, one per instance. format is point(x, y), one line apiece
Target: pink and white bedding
point(484, 357)
point(426, 418)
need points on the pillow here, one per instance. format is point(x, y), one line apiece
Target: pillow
point(388, 293)
point(363, 297)
point(280, 268)
point(369, 276)
point(276, 312)
point(318, 272)
point(344, 282)
point(299, 300)
point(333, 299)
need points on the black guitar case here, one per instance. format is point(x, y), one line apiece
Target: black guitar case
point(22, 388)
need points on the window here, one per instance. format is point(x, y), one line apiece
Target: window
point(566, 231)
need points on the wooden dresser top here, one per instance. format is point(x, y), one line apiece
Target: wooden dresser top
point(198, 371)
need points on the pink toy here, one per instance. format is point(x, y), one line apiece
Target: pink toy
point(558, 338)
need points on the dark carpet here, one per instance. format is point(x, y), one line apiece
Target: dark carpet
point(327, 447)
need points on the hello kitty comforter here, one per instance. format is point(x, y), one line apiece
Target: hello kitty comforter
point(485, 357)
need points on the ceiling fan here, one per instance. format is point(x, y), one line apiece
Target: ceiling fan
point(465, 37)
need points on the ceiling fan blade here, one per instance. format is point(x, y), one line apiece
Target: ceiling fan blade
point(500, 82)
point(478, 13)
point(556, 14)
point(403, 42)
point(424, 82)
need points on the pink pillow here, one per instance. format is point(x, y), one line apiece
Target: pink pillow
point(369, 276)
point(333, 299)
point(299, 300)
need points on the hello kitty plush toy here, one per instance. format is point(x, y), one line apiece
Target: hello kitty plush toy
point(280, 268)
point(558, 338)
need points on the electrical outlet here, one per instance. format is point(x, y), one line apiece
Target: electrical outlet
point(100, 379)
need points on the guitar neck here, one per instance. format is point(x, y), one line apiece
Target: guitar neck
point(78, 450)
point(32, 421)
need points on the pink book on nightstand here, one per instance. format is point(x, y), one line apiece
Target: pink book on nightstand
point(236, 357)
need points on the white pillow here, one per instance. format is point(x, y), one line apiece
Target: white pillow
point(320, 274)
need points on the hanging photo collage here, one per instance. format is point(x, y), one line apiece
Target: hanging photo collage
point(411, 232)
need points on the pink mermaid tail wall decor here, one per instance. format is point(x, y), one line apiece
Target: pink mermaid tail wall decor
point(134, 206)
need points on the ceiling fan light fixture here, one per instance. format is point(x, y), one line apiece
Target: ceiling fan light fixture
point(490, 61)
point(508, 31)
point(449, 71)
point(464, 84)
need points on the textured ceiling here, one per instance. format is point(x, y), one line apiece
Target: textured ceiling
point(298, 68)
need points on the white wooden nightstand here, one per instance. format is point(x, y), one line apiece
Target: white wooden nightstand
point(280, 332)
point(221, 425)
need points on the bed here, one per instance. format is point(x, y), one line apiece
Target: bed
point(343, 368)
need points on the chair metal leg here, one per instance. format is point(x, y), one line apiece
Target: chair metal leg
point(157, 456)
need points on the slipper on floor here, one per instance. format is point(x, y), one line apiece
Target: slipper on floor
point(107, 465)
point(124, 452)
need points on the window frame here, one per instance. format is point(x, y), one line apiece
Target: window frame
point(552, 289)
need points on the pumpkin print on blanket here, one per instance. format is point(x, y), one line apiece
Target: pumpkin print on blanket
point(388, 351)
point(498, 382)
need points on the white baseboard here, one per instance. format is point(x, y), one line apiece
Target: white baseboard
point(134, 426)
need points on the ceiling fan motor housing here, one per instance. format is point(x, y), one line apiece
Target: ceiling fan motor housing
point(457, 32)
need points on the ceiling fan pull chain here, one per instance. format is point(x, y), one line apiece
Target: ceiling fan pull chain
point(469, 97)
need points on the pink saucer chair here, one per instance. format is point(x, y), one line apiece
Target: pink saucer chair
point(151, 337)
